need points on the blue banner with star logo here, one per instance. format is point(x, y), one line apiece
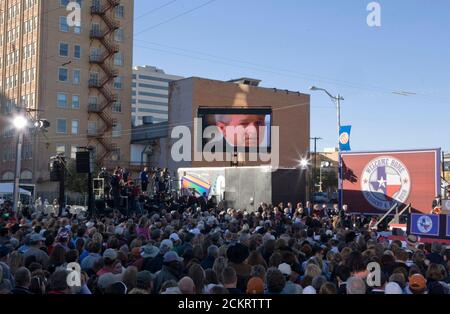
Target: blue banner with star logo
point(425, 225)
point(344, 138)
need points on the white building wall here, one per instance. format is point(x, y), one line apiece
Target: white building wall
point(150, 94)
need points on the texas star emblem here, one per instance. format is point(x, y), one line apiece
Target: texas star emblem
point(385, 181)
point(424, 224)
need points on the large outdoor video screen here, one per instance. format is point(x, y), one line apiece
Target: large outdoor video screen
point(240, 129)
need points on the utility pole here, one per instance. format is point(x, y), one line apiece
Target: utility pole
point(443, 165)
point(337, 100)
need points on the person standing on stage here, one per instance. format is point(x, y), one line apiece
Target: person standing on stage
point(144, 180)
point(115, 188)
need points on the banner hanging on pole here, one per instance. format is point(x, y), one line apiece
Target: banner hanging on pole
point(344, 138)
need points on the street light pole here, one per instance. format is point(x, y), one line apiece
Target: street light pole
point(16, 194)
point(337, 100)
point(340, 176)
point(20, 122)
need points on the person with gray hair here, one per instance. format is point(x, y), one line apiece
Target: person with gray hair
point(258, 271)
point(213, 253)
point(165, 246)
point(356, 285)
point(318, 282)
point(244, 237)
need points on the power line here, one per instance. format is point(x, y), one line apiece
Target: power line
point(175, 17)
point(155, 9)
point(282, 72)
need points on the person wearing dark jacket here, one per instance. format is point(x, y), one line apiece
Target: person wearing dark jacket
point(23, 281)
point(172, 269)
point(213, 253)
point(237, 254)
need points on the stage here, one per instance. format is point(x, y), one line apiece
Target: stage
point(246, 187)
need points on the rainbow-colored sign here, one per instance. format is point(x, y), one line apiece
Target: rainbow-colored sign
point(201, 187)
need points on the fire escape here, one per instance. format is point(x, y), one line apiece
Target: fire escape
point(103, 61)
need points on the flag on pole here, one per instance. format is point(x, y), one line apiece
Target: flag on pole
point(344, 138)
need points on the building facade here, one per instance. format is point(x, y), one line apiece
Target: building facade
point(290, 112)
point(76, 77)
point(446, 167)
point(150, 94)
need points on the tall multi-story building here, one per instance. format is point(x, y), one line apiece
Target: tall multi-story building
point(150, 94)
point(76, 77)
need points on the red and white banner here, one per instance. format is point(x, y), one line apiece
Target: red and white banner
point(374, 181)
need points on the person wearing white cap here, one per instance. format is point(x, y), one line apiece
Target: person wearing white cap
point(393, 288)
point(174, 237)
point(309, 290)
point(177, 243)
point(195, 231)
point(290, 287)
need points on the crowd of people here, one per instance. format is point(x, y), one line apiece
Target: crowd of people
point(200, 248)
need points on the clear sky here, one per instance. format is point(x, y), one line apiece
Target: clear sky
point(293, 44)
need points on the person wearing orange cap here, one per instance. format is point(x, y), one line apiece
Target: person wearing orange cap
point(418, 284)
point(255, 286)
point(136, 258)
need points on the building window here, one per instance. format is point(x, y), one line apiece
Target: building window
point(119, 35)
point(7, 176)
point(117, 130)
point(74, 127)
point(63, 74)
point(93, 103)
point(118, 59)
point(96, 3)
point(117, 107)
point(60, 149)
point(77, 51)
point(93, 78)
point(27, 152)
point(76, 77)
point(62, 100)
point(115, 156)
point(61, 126)
point(75, 102)
point(64, 3)
point(118, 82)
point(95, 29)
point(92, 128)
point(119, 12)
point(73, 152)
point(63, 50)
point(63, 26)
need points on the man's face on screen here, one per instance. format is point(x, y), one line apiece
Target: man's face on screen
point(242, 130)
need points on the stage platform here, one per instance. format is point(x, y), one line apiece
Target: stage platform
point(246, 187)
